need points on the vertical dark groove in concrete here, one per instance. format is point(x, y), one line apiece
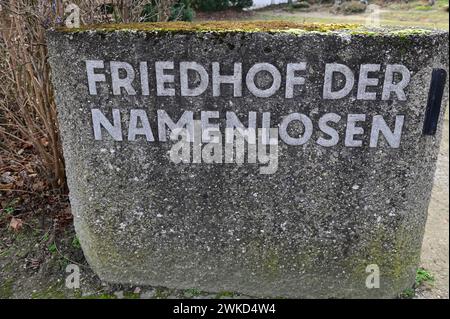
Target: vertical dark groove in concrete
point(435, 95)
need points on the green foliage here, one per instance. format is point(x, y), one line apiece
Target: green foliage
point(423, 8)
point(76, 243)
point(149, 13)
point(211, 5)
point(408, 293)
point(218, 5)
point(422, 276)
point(241, 3)
point(192, 292)
point(106, 8)
point(181, 10)
point(6, 289)
point(9, 210)
point(52, 248)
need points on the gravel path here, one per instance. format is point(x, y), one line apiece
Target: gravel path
point(435, 249)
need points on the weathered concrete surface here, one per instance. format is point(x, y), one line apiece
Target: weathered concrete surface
point(310, 229)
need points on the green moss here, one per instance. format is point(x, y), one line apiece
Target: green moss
point(423, 8)
point(52, 292)
point(225, 294)
point(219, 26)
point(99, 296)
point(409, 32)
point(271, 263)
point(396, 258)
point(364, 32)
point(131, 295)
point(6, 289)
point(192, 292)
point(406, 37)
point(5, 252)
point(423, 276)
point(162, 293)
point(408, 293)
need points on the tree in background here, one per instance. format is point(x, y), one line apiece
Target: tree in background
point(218, 5)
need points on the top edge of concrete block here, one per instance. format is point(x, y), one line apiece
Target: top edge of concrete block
point(254, 27)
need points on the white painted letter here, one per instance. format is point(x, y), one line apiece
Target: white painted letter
point(353, 130)
point(330, 69)
point(307, 131)
point(365, 81)
point(379, 125)
point(99, 120)
point(184, 79)
point(233, 125)
point(235, 79)
point(133, 130)
point(143, 71)
point(324, 127)
point(260, 67)
point(162, 78)
point(186, 120)
point(209, 130)
point(117, 82)
point(292, 80)
point(399, 87)
point(93, 78)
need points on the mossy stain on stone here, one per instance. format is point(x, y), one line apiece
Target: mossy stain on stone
point(218, 27)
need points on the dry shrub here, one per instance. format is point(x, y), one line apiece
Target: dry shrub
point(28, 115)
point(28, 111)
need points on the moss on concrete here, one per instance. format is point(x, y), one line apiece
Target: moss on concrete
point(6, 289)
point(396, 260)
point(52, 292)
point(410, 32)
point(219, 26)
point(225, 294)
point(250, 27)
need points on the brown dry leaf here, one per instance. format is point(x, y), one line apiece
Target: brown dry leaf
point(6, 187)
point(16, 224)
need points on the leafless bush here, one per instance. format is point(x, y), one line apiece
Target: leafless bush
point(27, 107)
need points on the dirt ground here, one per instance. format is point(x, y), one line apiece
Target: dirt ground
point(435, 247)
